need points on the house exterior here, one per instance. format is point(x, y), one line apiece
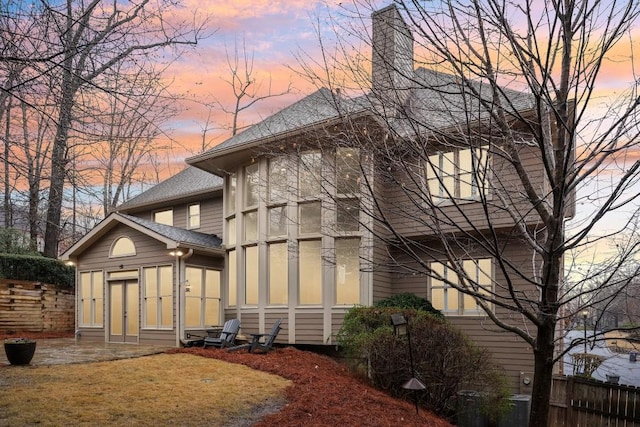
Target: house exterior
point(283, 230)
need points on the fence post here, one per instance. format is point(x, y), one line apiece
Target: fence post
point(569, 414)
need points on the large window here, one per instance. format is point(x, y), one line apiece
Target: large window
point(251, 185)
point(277, 221)
point(278, 188)
point(478, 277)
point(347, 170)
point(230, 236)
point(309, 217)
point(309, 174)
point(310, 272)
point(251, 226)
point(158, 297)
point(193, 220)
point(91, 299)
point(232, 282)
point(278, 273)
point(460, 174)
point(251, 275)
point(348, 271)
point(202, 300)
point(163, 217)
point(230, 194)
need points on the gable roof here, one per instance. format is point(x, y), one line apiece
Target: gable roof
point(188, 183)
point(172, 237)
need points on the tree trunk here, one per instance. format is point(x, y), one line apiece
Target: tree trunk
point(543, 375)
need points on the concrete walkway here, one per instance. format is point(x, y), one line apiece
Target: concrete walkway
point(60, 351)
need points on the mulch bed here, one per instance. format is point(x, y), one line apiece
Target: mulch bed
point(324, 392)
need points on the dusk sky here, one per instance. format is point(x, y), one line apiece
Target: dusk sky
point(277, 32)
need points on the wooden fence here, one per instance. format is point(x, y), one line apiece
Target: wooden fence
point(35, 307)
point(582, 402)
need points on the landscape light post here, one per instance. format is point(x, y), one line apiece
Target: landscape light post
point(585, 313)
point(401, 328)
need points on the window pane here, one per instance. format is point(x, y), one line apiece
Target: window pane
point(166, 293)
point(251, 187)
point(278, 273)
point(85, 296)
point(277, 221)
point(116, 309)
point(309, 174)
point(251, 226)
point(212, 293)
point(232, 287)
point(193, 303)
point(193, 276)
point(465, 177)
point(212, 280)
point(164, 217)
point(310, 283)
point(347, 215)
point(437, 298)
point(132, 309)
point(433, 174)
point(347, 271)
point(347, 170)
point(231, 193)
point(448, 174)
point(277, 179)
point(97, 284)
point(309, 217)
point(231, 232)
point(150, 297)
point(194, 216)
point(251, 275)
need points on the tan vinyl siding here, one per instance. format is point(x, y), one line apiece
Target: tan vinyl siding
point(309, 328)
point(509, 351)
point(250, 324)
point(410, 220)
point(149, 337)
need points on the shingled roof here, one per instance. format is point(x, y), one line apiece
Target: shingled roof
point(179, 235)
point(189, 182)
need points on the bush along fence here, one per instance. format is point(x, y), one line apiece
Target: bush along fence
point(579, 401)
point(35, 307)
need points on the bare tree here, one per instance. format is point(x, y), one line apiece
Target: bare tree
point(247, 87)
point(95, 37)
point(489, 164)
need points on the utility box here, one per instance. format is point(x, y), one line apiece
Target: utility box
point(518, 415)
point(468, 410)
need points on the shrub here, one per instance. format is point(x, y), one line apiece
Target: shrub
point(37, 269)
point(445, 360)
point(409, 300)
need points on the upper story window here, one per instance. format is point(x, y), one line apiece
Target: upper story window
point(460, 174)
point(123, 246)
point(478, 275)
point(231, 193)
point(347, 170)
point(278, 188)
point(163, 217)
point(193, 213)
point(251, 185)
point(309, 174)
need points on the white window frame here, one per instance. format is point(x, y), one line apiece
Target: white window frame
point(472, 268)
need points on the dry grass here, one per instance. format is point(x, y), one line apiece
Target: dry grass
point(166, 389)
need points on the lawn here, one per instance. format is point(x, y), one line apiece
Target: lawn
point(202, 387)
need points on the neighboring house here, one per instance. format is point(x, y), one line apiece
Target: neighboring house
point(289, 250)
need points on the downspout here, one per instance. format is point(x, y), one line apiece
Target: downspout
point(180, 296)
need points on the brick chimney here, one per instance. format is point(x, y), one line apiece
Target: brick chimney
point(392, 58)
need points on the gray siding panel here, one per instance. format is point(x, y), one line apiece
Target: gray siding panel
point(309, 328)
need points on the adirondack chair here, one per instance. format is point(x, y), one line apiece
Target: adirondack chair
point(261, 342)
point(227, 337)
